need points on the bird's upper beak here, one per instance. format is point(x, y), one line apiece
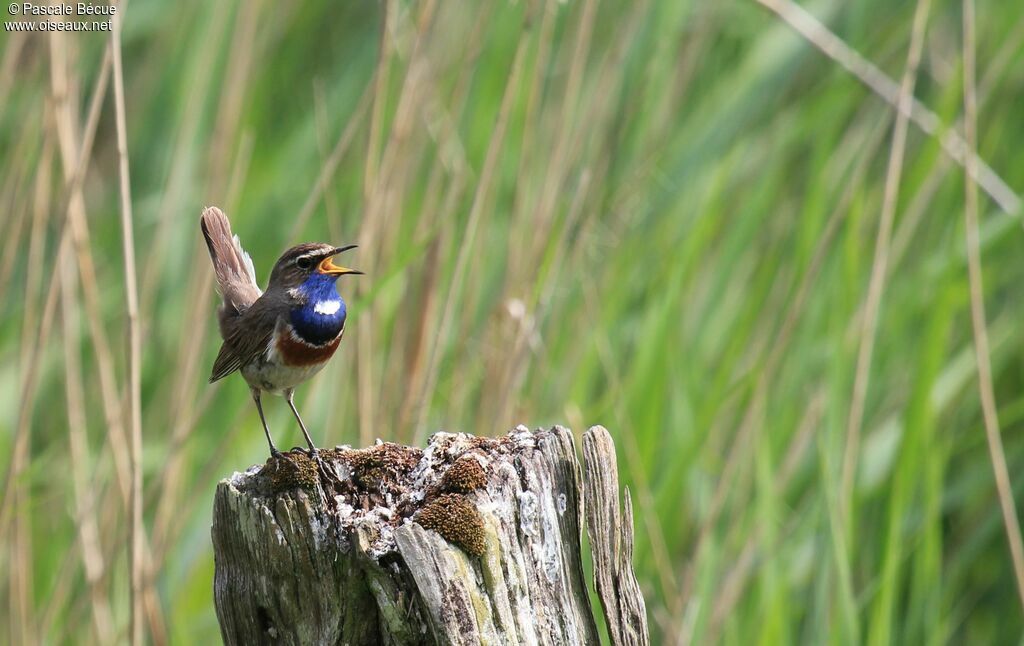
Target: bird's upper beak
point(327, 265)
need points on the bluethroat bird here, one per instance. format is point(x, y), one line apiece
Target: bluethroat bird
point(279, 338)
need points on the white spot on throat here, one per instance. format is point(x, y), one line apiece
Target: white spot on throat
point(327, 307)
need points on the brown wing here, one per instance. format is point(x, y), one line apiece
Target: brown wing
point(226, 363)
point(246, 337)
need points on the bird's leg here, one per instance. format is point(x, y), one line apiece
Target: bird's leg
point(266, 430)
point(314, 453)
point(289, 397)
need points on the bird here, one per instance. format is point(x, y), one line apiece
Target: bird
point(282, 337)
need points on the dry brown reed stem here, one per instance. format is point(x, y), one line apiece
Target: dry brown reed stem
point(423, 331)
point(78, 221)
point(166, 488)
point(321, 127)
point(83, 490)
point(812, 30)
point(34, 349)
point(78, 451)
point(446, 185)
point(236, 83)
point(386, 175)
point(916, 210)
point(418, 100)
point(331, 163)
point(532, 144)
point(528, 325)
point(11, 200)
point(169, 482)
point(118, 537)
point(74, 172)
point(466, 244)
point(594, 117)
point(186, 139)
point(382, 77)
point(557, 170)
point(17, 494)
point(60, 603)
point(981, 345)
point(591, 117)
point(182, 394)
point(880, 263)
point(137, 551)
point(330, 158)
point(382, 187)
point(15, 43)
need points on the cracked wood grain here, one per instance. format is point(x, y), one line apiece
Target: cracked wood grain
point(611, 541)
point(345, 561)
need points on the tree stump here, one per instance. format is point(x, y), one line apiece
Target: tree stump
point(470, 541)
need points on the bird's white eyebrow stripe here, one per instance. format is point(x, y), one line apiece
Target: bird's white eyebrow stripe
point(310, 255)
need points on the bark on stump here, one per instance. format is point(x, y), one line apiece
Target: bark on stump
point(470, 541)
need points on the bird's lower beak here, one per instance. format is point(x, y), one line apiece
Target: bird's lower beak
point(327, 265)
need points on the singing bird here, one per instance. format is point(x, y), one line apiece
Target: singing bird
point(279, 338)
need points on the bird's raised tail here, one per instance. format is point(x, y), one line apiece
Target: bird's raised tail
point(236, 277)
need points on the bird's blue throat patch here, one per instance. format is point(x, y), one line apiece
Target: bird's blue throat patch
point(322, 316)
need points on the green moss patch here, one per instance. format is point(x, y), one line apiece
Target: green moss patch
point(463, 476)
point(456, 520)
point(295, 471)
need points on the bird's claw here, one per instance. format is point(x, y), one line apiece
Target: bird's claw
point(277, 455)
point(328, 474)
point(308, 452)
point(313, 454)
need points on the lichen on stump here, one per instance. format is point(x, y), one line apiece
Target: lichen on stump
point(471, 540)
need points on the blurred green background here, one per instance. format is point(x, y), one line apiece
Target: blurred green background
point(659, 216)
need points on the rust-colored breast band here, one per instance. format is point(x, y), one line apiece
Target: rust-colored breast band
point(298, 353)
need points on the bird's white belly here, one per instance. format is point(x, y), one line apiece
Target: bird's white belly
point(272, 376)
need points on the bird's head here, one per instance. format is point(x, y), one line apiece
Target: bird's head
point(301, 262)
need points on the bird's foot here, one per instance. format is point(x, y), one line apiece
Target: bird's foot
point(311, 452)
point(327, 474)
point(277, 455)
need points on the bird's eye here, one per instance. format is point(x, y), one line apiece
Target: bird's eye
point(304, 263)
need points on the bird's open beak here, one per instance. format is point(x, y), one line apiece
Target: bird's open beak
point(327, 265)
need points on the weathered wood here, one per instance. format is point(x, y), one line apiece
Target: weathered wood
point(472, 540)
point(611, 542)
